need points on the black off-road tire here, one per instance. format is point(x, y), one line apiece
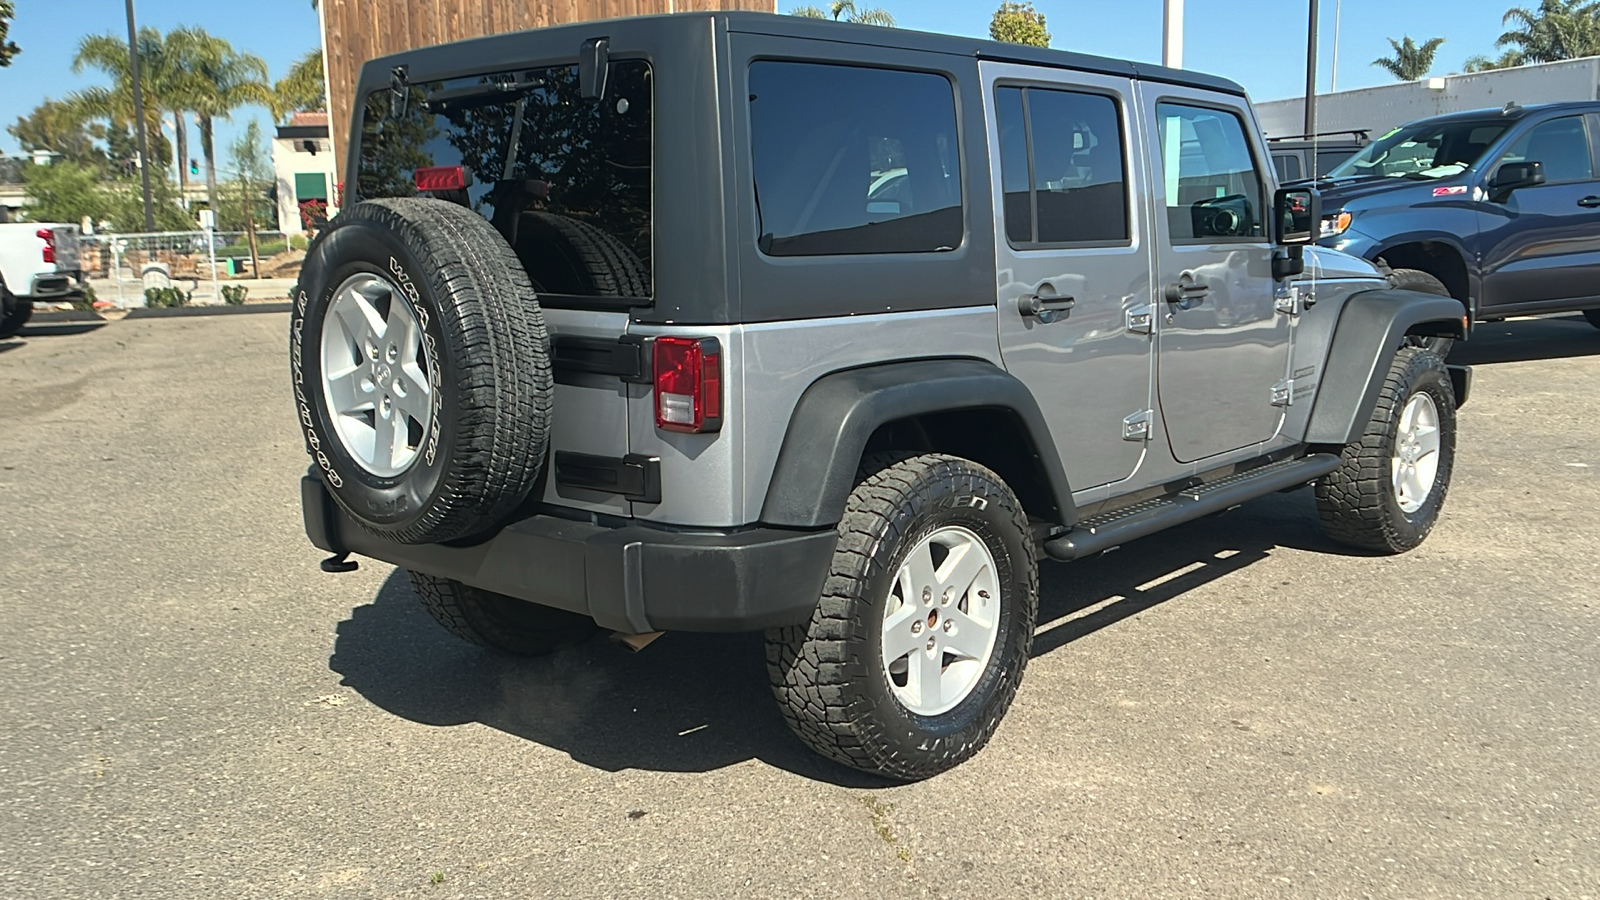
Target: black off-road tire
point(1593, 315)
point(491, 396)
point(828, 674)
point(500, 622)
point(1423, 282)
point(566, 256)
point(1357, 502)
point(14, 312)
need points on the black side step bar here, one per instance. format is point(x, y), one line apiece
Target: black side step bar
point(1113, 529)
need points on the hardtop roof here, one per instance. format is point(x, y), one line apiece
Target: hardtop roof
point(872, 35)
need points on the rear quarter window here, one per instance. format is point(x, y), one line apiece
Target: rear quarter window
point(853, 160)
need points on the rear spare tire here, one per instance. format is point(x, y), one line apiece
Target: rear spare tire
point(421, 369)
point(566, 256)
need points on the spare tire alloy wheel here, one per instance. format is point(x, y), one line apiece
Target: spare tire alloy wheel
point(377, 375)
point(421, 370)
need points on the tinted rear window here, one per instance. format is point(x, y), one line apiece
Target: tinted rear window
point(853, 160)
point(530, 145)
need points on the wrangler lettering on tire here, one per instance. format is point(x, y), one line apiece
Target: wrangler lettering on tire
point(421, 369)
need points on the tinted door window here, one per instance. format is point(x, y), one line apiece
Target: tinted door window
point(1066, 184)
point(1213, 191)
point(852, 160)
point(1288, 167)
point(1562, 145)
point(529, 144)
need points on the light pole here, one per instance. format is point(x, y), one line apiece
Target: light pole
point(1172, 35)
point(1311, 73)
point(1334, 86)
point(138, 118)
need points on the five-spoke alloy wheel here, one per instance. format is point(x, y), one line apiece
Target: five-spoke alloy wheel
point(920, 637)
point(375, 375)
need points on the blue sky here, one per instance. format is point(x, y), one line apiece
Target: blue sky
point(1259, 43)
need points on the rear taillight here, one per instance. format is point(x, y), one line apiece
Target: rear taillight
point(688, 384)
point(49, 238)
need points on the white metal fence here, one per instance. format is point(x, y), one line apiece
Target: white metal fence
point(183, 268)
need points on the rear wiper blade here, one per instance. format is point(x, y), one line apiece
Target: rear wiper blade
point(473, 94)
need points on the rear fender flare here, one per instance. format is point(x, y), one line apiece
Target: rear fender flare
point(839, 412)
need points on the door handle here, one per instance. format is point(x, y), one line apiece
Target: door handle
point(1589, 202)
point(1043, 307)
point(1186, 293)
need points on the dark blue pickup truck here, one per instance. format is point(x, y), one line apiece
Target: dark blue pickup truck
point(1499, 209)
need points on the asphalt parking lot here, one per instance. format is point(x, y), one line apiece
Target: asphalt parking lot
point(1236, 708)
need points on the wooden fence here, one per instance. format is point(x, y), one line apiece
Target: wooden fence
point(354, 31)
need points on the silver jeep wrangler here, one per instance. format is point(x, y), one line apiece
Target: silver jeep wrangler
point(730, 321)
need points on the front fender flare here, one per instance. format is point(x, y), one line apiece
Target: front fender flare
point(1371, 327)
point(838, 413)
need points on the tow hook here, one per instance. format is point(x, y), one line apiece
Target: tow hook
point(339, 563)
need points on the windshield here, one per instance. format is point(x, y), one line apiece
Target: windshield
point(1427, 150)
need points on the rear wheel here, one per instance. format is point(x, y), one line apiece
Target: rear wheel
point(14, 312)
point(919, 641)
point(498, 621)
point(1418, 280)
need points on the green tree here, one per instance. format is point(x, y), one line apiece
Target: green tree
point(157, 75)
point(1019, 23)
point(1507, 60)
point(1556, 30)
point(248, 157)
point(302, 89)
point(212, 80)
point(1410, 60)
point(62, 127)
point(846, 11)
point(8, 48)
point(68, 192)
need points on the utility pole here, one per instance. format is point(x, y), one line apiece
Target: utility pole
point(1311, 73)
point(1172, 35)
point(1337, 9)
point(138, 117)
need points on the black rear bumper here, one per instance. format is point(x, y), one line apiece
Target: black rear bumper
point(631, 579)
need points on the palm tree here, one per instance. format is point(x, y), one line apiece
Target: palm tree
point(846, 11)
point(1410, 61)
point(1556, 30)
point(1480, 63)
point(109, 54)
point(212, 81)
point(302, 89)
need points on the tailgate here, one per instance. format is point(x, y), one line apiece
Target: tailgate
point(589, 419)
point(68, 243)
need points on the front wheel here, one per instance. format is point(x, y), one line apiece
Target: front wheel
point(918, 643)
point(1391, 483)
point(1418, 280)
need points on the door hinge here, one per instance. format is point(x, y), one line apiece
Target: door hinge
point(1142, 320)
point(1293, 299)
point(1137, 426)
point(1283, 393)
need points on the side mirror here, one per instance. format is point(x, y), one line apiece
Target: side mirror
point(1297, 216)
point(1512, 176)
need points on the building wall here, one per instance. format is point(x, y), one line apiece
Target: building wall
point(354, 31)
point(1381, 108)
point(290, 159)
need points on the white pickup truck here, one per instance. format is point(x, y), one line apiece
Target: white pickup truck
point(39, 261)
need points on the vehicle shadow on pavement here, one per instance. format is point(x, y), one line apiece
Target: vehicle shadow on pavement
point(59, 329)
point(686, 703)
point(12, 345)
point(1525, 340)
point(1080, 598)
point(699, 702)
